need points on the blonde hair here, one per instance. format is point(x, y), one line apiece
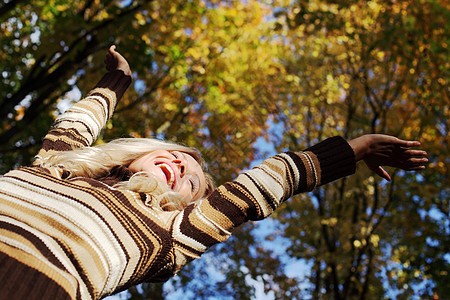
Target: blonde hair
point(96, 162)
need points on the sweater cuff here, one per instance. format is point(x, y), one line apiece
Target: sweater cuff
point(336, 159)
point(115, 81)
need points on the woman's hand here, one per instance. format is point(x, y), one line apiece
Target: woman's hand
point(115, 61)
point(379, 150)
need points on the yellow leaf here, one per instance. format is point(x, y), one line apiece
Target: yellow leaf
point(198, 69)
point(374, 239)
point(60, 7)
point(357, 243)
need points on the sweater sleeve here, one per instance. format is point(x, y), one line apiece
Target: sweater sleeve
point(81, 124)
point(255, 194)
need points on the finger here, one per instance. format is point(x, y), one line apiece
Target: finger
point(112, 49)
point(411, 160)
point(414, 153)
point(408, 144)
point(418, 168)
point(409, 164)
point(417, 161)
point(382, 173)
point(109, 62)
point(108, 58)
point(414, 166)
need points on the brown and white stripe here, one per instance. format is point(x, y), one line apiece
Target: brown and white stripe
point(82, 239)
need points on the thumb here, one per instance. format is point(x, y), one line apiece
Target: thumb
point(382, 173)
point(112, 49)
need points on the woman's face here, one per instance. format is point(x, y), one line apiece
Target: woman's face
point(180, 171)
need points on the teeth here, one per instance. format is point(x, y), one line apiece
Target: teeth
point(171, 180)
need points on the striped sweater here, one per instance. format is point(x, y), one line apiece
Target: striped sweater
point(80, 238)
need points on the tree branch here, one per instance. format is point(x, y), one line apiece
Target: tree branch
point(7, 7)
point(365, 289)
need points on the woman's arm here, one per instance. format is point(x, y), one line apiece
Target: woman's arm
point(255, 194)
point(81, 124)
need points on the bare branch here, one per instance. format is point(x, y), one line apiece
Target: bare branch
point(7, 7)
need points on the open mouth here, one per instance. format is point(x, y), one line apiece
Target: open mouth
point(168, 172)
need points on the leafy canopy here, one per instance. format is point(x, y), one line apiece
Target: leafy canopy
point(222, 75)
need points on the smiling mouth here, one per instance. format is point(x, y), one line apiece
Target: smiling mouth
point(168, 172)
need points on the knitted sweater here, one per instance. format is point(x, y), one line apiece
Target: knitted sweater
point(80, 238)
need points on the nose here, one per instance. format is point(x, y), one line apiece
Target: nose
point(181, 166)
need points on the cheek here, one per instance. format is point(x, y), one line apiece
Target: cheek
point(185, 192)
point(155, 171)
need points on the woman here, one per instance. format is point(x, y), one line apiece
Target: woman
point(83, 223)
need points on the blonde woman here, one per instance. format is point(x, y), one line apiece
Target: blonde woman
point(85, 222)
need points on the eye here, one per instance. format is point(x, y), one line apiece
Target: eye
point(174, 155)
point(193, 185)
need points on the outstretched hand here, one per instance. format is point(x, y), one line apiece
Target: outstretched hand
point(115, 61)
point(379, 150)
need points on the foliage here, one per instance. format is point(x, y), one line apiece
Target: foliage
point(218, 75)
point(374, 66)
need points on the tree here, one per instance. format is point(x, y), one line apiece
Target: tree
point(199, 78)
point(218, 75)
point(368, 67)
point(46, 49)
